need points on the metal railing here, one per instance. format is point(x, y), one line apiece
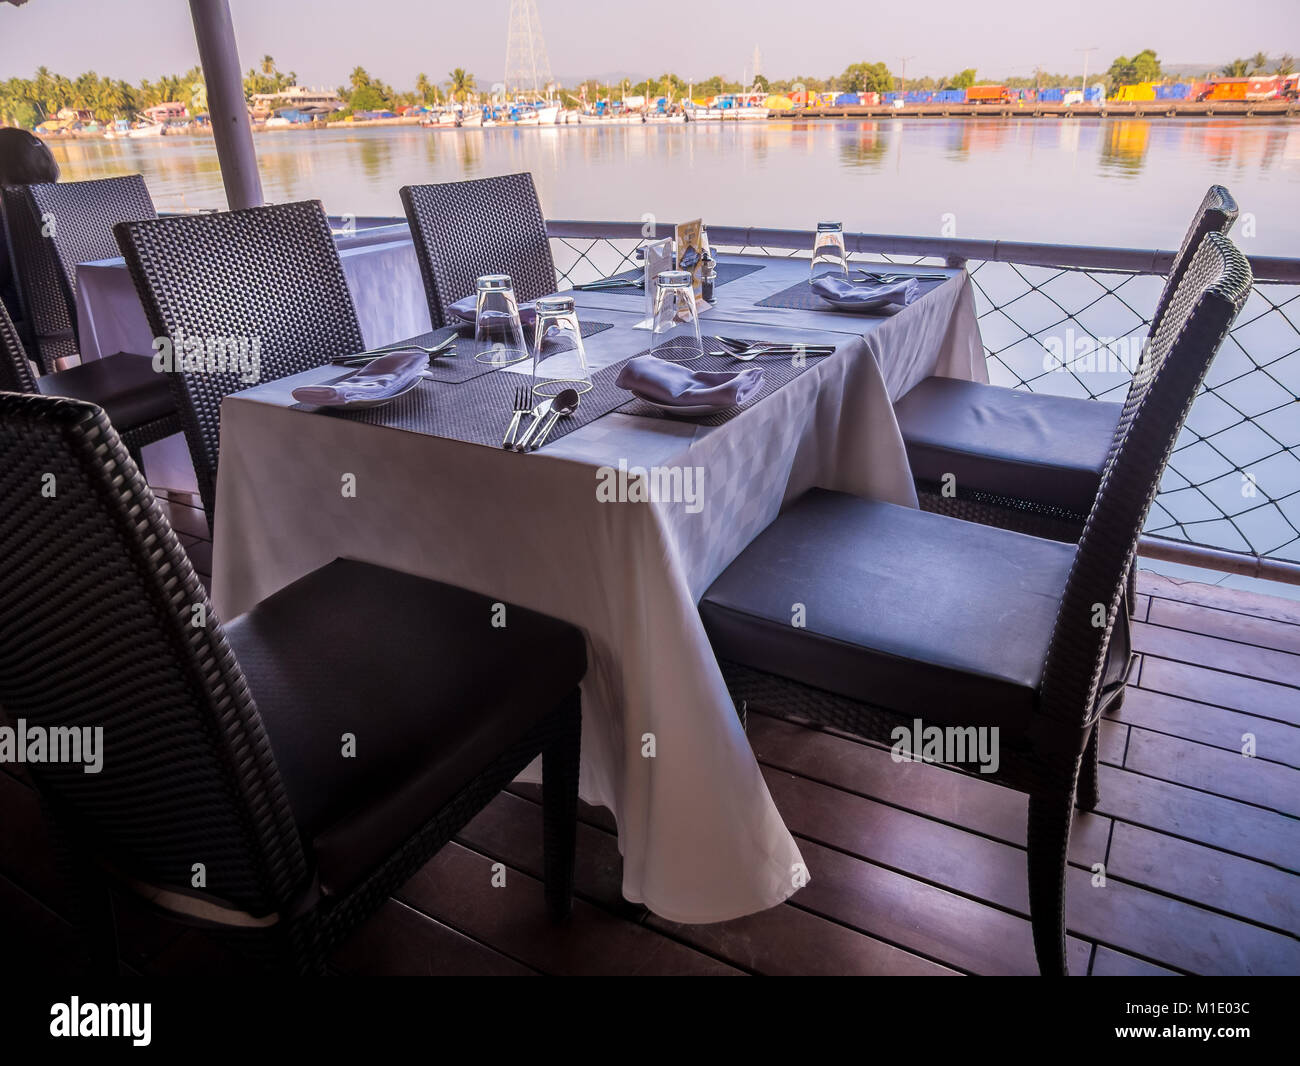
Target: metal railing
point(1070, 320)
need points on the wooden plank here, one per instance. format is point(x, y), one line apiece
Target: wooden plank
point(1113, 739)
point(1223, 773)
point(965, 933)
point(788, 941)
point(455, 887)
point(1238, 828)
point(1108, 962)
point(1247, 889)
point(1228, 625)
point(1120, 915)
point(1235, 658)
point(1207, 724)
point(1227, 599)
point(399, 941)
point(959, 799)
point(1245, 694)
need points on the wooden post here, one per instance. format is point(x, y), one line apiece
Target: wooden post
point(215, 34)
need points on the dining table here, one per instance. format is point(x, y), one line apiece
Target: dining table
point(577, 531)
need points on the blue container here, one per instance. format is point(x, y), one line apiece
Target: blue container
point(1052, 96)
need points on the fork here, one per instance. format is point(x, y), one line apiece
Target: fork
point(748, 350)
point(885, 279)
point(363, 358)
point(523, 406)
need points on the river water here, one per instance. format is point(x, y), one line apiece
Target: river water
point(1119, 182)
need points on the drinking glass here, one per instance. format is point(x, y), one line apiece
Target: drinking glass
point(498, 335)
point(559, 359)
point(675, 330)
point(829, 256)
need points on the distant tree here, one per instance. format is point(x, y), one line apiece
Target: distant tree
point(1238, 68)
point(423, 87)
point(963, 79)
point(1258, 63)
point(1142, 67)
point(866, 78)
point(1285, 65)
point(460, 84)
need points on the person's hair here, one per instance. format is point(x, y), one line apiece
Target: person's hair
point(25, 159)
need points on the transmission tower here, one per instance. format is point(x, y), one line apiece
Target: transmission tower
point(527, 68)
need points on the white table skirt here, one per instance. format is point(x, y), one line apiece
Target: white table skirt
point(383, 276)
point(700, 837)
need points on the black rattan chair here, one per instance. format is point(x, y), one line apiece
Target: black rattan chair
point(81, 216)
point(1023, 460)
point(46, 315)
point(137, 401)
point(911, 615)
point(465, 229)
point(226, 794)
point(266, 276)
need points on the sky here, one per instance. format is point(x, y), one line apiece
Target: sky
point(322, 40)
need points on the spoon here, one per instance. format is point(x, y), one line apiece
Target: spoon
point(564, 404)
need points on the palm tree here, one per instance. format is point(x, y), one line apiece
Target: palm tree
point(1238, 68)
point(1285, 65)
point(423, 87)
point(1258, 62)
point(268, 66)
point(461, 83)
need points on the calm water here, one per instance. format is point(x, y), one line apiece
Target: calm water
point(1128, 183)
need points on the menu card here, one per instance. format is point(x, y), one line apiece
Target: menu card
point(690, 251)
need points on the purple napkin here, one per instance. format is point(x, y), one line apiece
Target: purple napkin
point(673, 385)
point(461, 313)
point(865, 295)
point(385, 377)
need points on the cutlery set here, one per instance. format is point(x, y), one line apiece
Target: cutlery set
point(889, 279)
point(544, 417)
point(443, 347)
point(745, 351)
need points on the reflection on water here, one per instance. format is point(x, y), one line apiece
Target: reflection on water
point(1127, 182)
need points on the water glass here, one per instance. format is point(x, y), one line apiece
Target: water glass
point(498, 335)
point(829, 256)
point(675, 329)
point(559, 359)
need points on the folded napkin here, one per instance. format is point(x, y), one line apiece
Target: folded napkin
point(381, 379)
point(462, 312)
point(865, 295)
point(673, 385)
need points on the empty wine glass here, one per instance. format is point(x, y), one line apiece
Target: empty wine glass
point(498, 335)
point(675, 331)
point(559, 359)
point(829, 256)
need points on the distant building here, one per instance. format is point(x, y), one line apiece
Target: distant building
point(168, 112)
point(299, 97)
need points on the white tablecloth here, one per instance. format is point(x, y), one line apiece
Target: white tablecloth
point(382, 274)
point(700, 836)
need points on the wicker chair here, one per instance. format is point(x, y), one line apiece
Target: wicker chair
point(267, 276)
point(84, 214)
point(465, 229)
point(910, 615)
point(225, 795)
point(137, 401)
point(46, 315)
point(1021, 460)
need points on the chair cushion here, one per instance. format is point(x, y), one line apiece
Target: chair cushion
point(1023, 445)
point(415, 670)
point(126, 386)
point(918, 613)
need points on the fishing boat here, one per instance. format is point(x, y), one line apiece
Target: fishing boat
point(147, 129)
point(742, 105)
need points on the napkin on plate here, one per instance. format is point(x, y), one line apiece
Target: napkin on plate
point(461, 313)
point(387, 376)
point(865, 295)
point(673, 385)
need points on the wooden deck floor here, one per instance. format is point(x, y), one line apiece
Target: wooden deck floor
point(915, 869)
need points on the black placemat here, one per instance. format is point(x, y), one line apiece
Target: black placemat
point(800, 297)
point(461, 366)
point(726, 272)
point(477, 410)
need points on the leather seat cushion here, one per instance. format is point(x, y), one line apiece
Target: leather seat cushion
point(1023, 445)
point(415, 670)
point(126, 386)
point(915, 612)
